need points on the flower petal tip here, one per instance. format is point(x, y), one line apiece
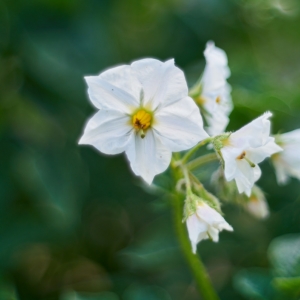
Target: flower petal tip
point(268, 114)
point(81, 141)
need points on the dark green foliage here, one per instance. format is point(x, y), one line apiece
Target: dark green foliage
point(282, 281)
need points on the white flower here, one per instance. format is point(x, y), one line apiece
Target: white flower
point(205, 223)
point(244, 149)
point(215, 96)
point(287, 162)
point(257, 204)
point(144, 110)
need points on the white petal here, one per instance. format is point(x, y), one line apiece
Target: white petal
point(225, 226)
point(291, 137)
point(148, 156)
point(196, 229)
point(212, 217)
point(214, 220)
point(116, 89)
point(208, 214)
point(257, 155)
point(258, 208)
point(256, 172)
point(229, 155)
point(109, 131)
point(213, 233)
point(216, 69)
point(245, 177)
point(256, 132)
point(180, 125)
point(287, 163)
point(202, 236)
point(217, 122)
point(281, 170)
point(162, 82)
point(123, 78)
point(217, 57)
point(243, 185)
point(225, 103)
point(215, 86)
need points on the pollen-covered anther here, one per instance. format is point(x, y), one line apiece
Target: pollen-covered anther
point(218, 100)
point(141, 121)
point(243, 156)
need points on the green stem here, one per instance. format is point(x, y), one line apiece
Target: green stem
point(199, 161)
point(193, 150)
point(195, 264)
point(187, 181)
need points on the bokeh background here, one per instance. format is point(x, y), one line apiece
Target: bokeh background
point(75, 224)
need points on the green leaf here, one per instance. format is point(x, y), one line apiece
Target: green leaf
point(254, 284)
point(153, 248)
point(7, 290)
point(284, 255)
point(288, 285)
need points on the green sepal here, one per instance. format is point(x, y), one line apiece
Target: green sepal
point(190, 206)
point(219, 140)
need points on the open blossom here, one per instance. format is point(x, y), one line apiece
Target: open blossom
point(244, 149)
point(287, 162)
point(205, 223)
point(144, 110)
point(215, 98)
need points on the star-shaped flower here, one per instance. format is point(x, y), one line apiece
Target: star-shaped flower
point(287, 162)
point(144, 110)
point(244, 149)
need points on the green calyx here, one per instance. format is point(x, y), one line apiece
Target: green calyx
point(201, 195)
point(190, 207)
point(220, 141)
point(210, 199)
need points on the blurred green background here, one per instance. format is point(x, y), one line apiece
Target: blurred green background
point(75, 224)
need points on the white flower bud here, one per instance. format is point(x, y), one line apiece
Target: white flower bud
point(256, 204)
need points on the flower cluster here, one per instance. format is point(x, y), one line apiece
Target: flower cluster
point(146, 110)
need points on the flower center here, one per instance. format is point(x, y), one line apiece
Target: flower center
point(141, 121)
point(200, 100)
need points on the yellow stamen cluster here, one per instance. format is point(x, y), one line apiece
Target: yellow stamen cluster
point(141, 121)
